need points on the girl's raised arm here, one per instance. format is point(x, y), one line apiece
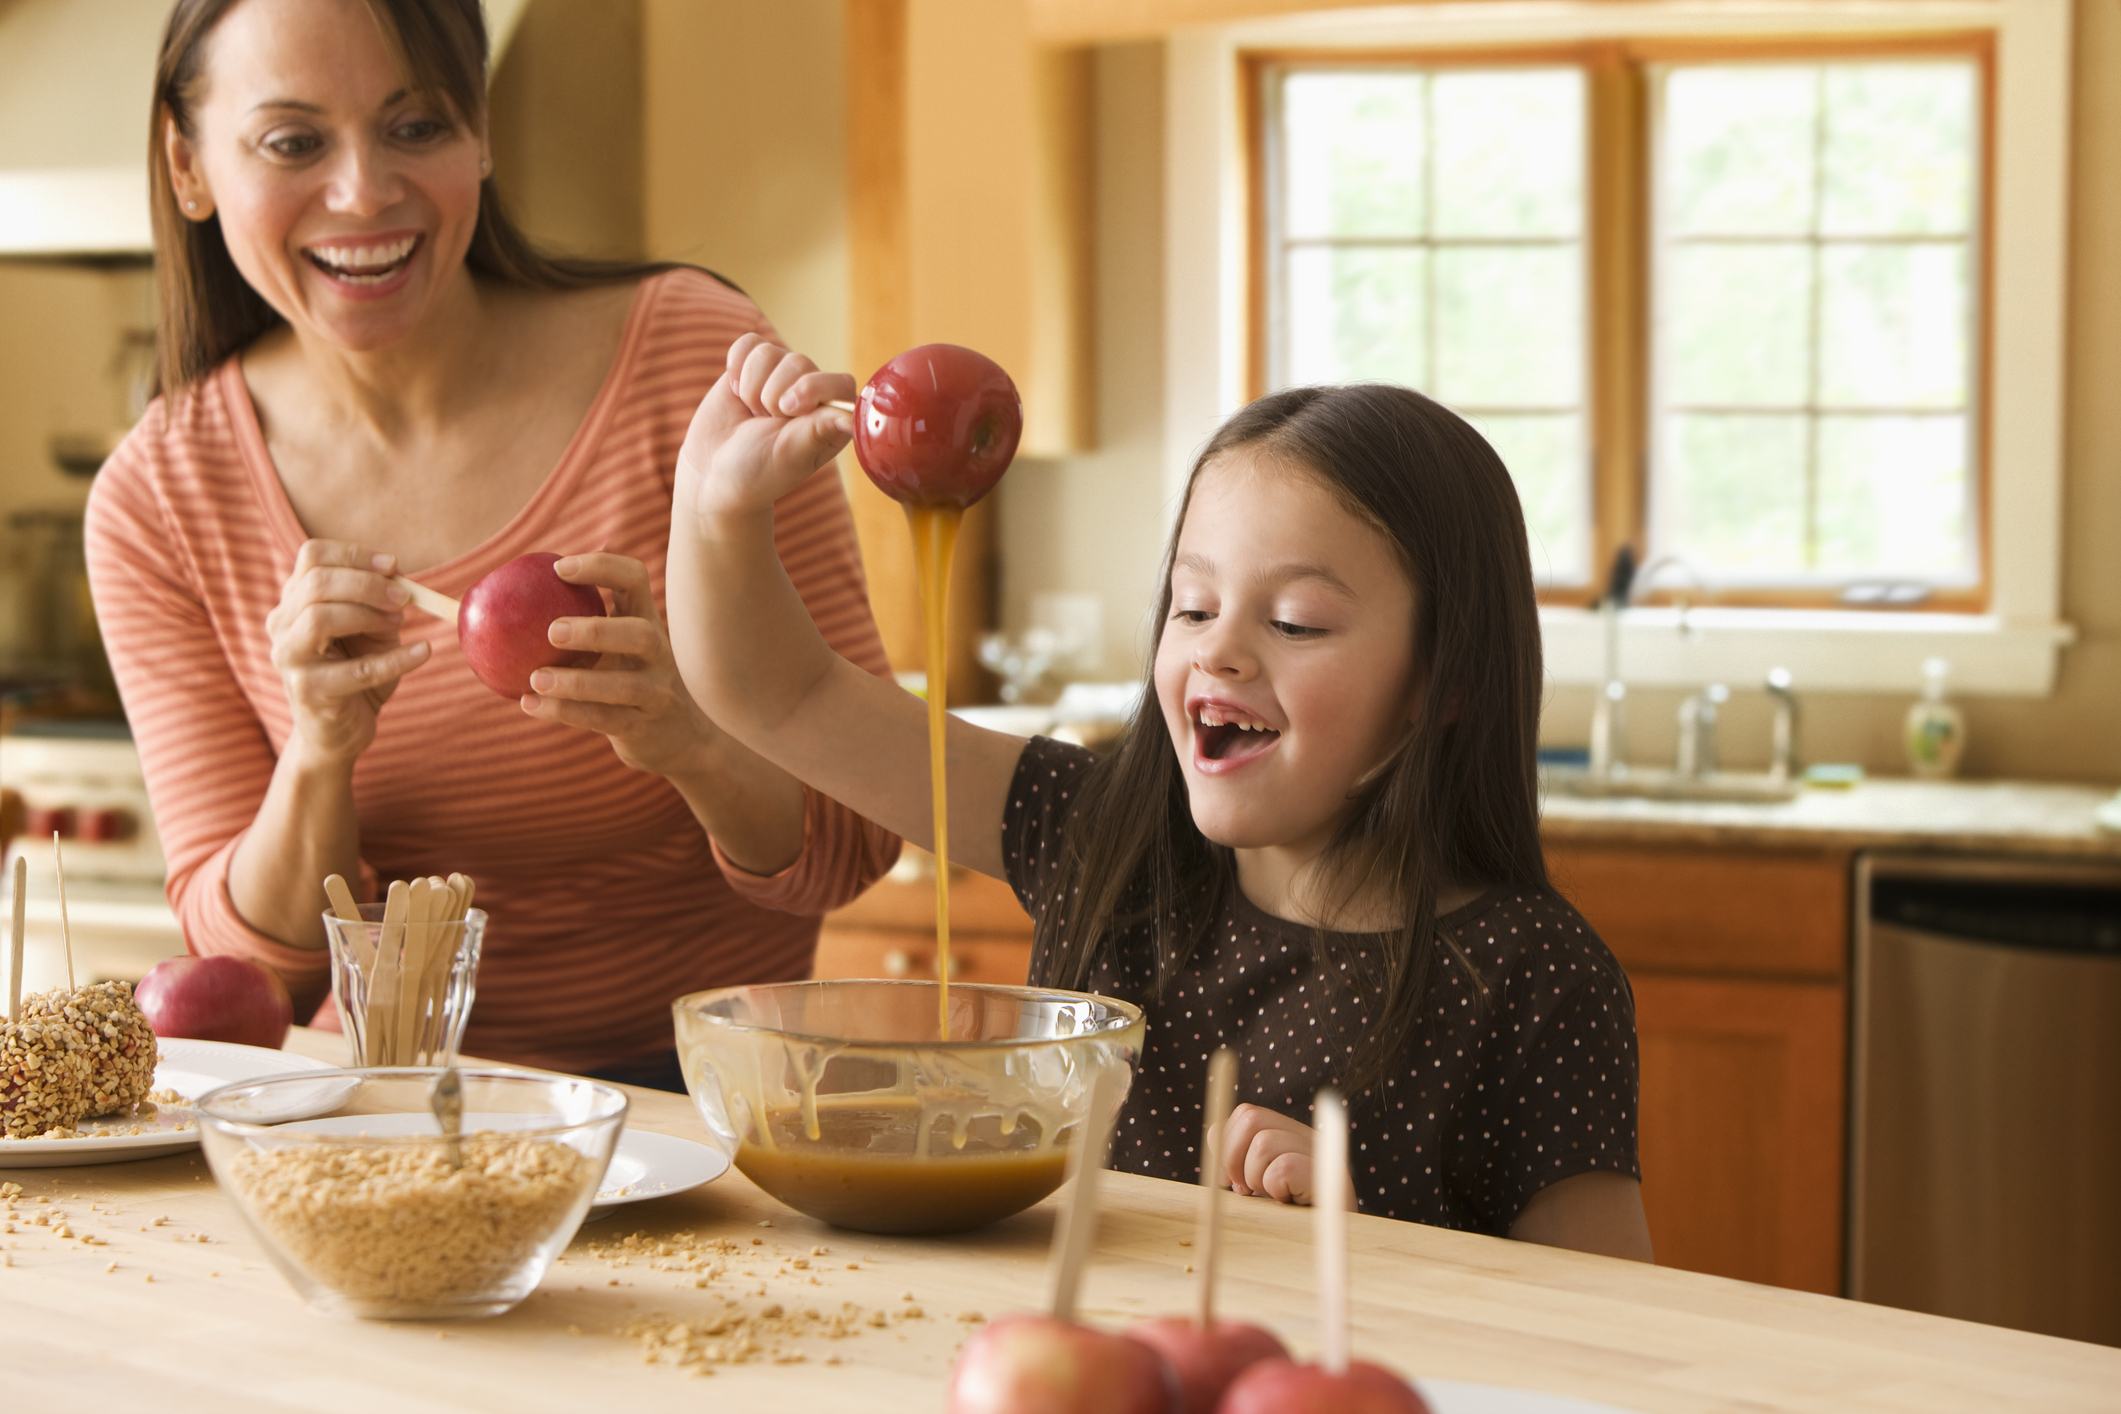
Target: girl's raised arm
point(746, 647)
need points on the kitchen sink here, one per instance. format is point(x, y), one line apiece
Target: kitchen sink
point(1637, 783)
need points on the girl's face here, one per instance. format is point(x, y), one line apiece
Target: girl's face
point(1286, 671)
point(347, 200)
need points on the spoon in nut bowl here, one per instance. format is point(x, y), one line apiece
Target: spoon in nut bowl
point(447, 1101)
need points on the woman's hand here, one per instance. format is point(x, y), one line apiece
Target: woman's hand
point(633, 694)
point(761, 431)
point(335, 643)
point(1268, 1155)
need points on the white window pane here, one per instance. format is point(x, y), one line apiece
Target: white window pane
point(1509, 325)
point(1894, 496)
point(1734, 494)
point(1352, 145)
point(1548, 459)
point(1738, 142)
point(1509, 153)
point(1357, 314)
point(1737, 324)
point(1894, 325)
point(1900, 149)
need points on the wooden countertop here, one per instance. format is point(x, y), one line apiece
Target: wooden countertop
point(216, 1328)
point(1975, 817)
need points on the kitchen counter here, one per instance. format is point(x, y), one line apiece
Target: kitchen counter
point(187, 1313)
point(1992, 817)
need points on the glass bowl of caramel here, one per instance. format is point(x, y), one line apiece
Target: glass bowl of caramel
point(843, 1099)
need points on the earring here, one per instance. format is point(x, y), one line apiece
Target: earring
point(485, 165)
point(191, 206)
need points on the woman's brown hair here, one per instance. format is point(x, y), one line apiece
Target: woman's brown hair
point(209, 310)
point(1457, 804)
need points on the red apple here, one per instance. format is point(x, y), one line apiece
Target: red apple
point(504, 621)
point(1206, 1361)
point(217, 998)
point(1284, 1387)
point(937, 425)
point(1037, 1365)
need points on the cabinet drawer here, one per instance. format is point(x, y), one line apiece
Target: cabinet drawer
point(1744, 913)
point(885, 952)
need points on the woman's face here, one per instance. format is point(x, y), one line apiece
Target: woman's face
point(347, 200)
point(1286, 669)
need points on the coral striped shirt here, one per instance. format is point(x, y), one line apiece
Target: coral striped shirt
point(605, 898)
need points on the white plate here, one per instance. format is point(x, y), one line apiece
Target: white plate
point(1459, 1397)
point(191, 1068)
point(650, 1165)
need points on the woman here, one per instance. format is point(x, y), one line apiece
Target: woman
point(368, 371)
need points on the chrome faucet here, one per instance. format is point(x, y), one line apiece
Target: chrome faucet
point(1784, 763)
point(1609, 722)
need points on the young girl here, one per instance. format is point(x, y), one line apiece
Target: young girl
point(1319, 846)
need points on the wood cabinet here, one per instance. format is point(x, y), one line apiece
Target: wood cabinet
point(1739, 963)
point(890, 931)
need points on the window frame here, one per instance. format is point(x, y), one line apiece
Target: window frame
point(1620, 281)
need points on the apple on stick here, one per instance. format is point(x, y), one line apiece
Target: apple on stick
point(938, 425)
point(1336, 1384)
point(504, 621)
point(1031, 1364)
point(1207, 1354)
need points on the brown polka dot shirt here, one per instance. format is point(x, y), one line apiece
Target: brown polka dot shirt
point(1485, 1106)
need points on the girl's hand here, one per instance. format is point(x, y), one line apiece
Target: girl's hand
point(1269, 1155)
point(335, 643)
point(761, 431)
point(633, 694)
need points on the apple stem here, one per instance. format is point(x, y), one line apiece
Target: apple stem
point(1329, 1202)
point(14, 952)
point(1078, 1225)
point(66, 936)
point(1207, 1227)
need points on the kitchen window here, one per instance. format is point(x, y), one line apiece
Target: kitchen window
point(1721, 300)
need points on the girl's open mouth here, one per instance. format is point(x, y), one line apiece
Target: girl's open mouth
point(363, 266)
point(1227, 735)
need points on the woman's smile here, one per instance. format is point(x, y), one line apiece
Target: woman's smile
point(365, 267)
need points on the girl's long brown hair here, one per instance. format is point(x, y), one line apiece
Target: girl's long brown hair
point(1457, 804)
point(209, 310)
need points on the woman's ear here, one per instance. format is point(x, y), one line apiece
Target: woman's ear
point(186, 180)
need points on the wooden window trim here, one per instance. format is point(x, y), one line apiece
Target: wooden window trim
point(1617, 240)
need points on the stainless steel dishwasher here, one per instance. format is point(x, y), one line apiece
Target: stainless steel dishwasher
point(1985, 1142)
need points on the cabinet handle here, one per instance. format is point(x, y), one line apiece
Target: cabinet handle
point(898, 963)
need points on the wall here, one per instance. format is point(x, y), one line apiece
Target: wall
point(566, 121)
point(745, 155)
point(1094, 523)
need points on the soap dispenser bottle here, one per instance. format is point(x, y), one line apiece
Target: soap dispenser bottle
point(1936, 730)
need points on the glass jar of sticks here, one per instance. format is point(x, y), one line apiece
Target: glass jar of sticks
point(403, 970)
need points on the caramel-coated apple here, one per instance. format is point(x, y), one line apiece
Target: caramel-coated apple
point(1206, 1361)
point(938, 425)
point(1037, 1365)
point(1283, 1387)
point(504, 622)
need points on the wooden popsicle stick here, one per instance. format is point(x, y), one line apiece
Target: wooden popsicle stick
point(66, 934)
point(445, 932)
point(841, 403)
point(1329, 1202)
point(1078, 1226)
point(1207, 1227)
point(383, 986)
point(440, 605)
point(342, 899)
point(14, 951)
point(412, 969)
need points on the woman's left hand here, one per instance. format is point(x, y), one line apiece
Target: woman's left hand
point(632, 694)
point(1268, 1155)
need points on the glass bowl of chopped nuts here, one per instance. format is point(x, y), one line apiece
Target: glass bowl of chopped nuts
point(370, 1210)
